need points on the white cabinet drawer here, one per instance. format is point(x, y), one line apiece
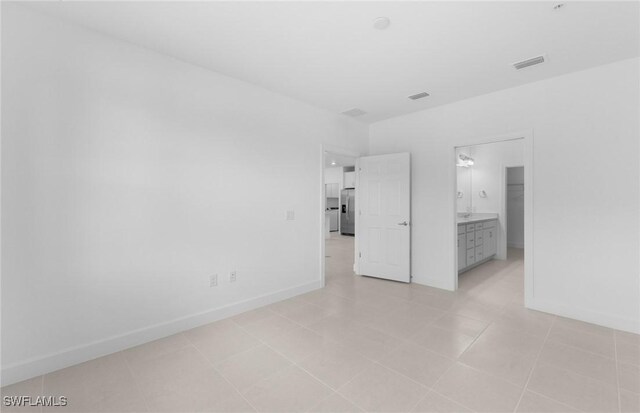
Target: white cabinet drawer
point(462, 229)
point(479, 225)
point(471, 227)
point(471, 256)
point(471, 240)
point(489, 224)
point(479, 254)
point(462, 251)
point(478, 238)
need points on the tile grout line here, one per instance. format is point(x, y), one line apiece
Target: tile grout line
point(455, 361)
point(293, 364)
point(135, 380)
point(615, 353)
point(556, 401)
point(535, 364)
point(221, 375)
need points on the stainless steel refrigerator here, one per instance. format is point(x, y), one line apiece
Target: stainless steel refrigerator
point(348, 211)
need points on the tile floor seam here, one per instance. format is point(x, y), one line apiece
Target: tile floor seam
point(454, 401)
point(403, 375)
point(135, 380)
point(222, 375)
point(556, 400)
point(533, 367)
point(615, 353)
point(474, 341)
point(420, 400)
point(493, 375)
point(253, 347)
point(582, 349)
point(433, 388)
point(293, 363)
point(602, 382)
point(322, 400)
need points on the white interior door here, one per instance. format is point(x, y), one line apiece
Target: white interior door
point(384, 231)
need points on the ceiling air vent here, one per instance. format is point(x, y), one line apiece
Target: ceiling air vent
point(529, 62)
point(354, 112)
point(419, 96)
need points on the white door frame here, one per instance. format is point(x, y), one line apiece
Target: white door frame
point(338, 150)
point(527, 136)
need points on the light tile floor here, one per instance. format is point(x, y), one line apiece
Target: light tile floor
point(362, 344)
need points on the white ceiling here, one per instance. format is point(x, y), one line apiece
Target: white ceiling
point(329, 55)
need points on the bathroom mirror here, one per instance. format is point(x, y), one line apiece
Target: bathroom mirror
point(464, 174)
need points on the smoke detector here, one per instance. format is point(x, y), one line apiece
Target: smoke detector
point(354, 112)
point(381, 23)
point(529, 62)
point(419, 96)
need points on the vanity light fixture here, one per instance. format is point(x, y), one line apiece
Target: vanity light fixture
point(464, 160)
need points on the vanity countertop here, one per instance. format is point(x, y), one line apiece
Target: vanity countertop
point(477, 218)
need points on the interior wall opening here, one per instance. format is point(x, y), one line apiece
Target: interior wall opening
point(490, 216)
point(339, 215)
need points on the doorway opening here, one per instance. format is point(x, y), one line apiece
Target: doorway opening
point(515, 211)
point(492, 210)
point(339, 215)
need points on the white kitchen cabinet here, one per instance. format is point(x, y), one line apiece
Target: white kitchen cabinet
point(333, 220)
point(331, 191)
point(350, 179)
point(477, 243)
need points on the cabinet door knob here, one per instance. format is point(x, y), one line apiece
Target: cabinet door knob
point(403, 223)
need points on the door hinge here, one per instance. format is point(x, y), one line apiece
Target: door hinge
point(359, 255)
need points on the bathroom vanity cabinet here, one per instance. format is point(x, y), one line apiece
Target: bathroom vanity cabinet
point(477, 242)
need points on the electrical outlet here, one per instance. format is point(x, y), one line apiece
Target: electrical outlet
point(213, 280)
point(291, 215)
point(232, 276)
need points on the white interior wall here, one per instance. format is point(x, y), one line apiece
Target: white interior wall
point(585, 172)
point(128, 178)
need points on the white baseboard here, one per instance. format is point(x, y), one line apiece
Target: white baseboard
point(601, 319)
point(34, 367)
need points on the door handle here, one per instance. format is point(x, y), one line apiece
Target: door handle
point(403, 223)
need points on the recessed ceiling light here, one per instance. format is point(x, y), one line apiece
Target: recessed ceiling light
point(381, 23)
point(333, 162)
